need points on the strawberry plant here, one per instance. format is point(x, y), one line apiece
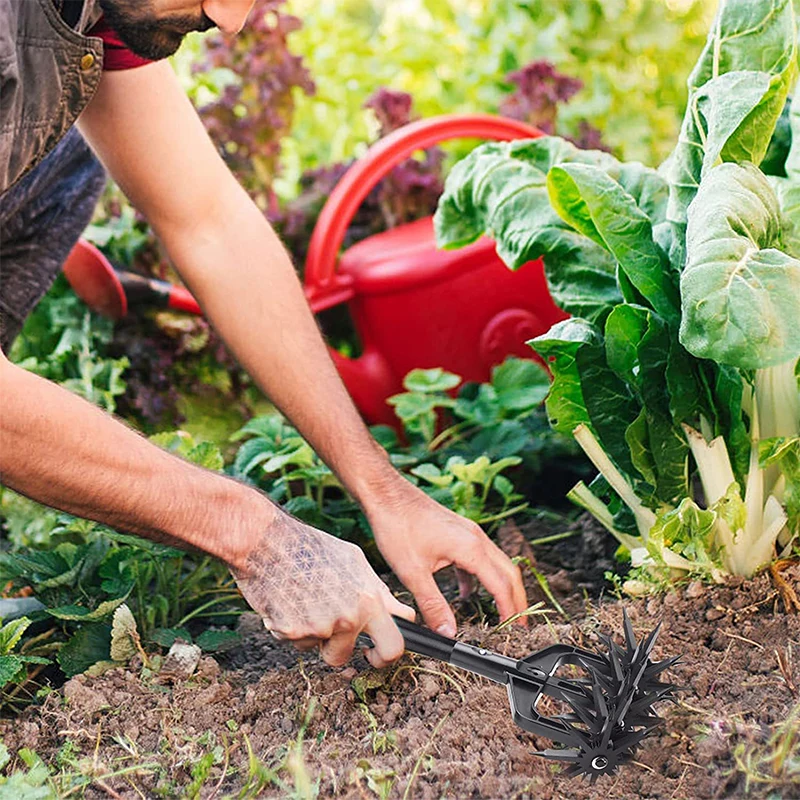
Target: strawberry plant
point(83, 572)
point(455, 449)
point(680, 359)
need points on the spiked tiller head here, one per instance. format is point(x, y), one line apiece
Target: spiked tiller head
point(610, 706)
point(615, 712)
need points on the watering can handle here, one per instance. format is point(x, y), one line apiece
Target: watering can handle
point(367, 172)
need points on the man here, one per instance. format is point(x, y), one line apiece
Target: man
point(309, 587)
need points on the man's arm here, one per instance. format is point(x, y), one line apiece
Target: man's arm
point(148, 135)
point(62, 451)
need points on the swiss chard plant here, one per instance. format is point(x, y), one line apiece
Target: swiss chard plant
point(678, 366)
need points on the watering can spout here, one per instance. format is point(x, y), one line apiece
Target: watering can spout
point(369, 380)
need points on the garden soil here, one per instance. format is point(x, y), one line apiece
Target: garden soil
point(272, 724)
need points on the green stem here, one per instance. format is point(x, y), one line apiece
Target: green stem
point(209, 604)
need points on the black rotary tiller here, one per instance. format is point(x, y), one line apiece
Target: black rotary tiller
point(611, 704)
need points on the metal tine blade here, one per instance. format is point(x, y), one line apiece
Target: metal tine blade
point(566, 755)
point(599, 701)
point(585, 715)
point(630, 636)
point(628, 743)
point(650, 642)
point(623, 710)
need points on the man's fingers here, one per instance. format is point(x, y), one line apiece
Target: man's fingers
point(337, 650)
point(502, 580)
point(387, 640)
point(395, 607)
point(435, 611)
point(466, 584)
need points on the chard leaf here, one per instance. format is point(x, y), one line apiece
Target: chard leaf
point(793, 159)
point(597, 206)
point(784, 452)
point(739, 290)
point(624, 331)
point(737, 92)
point(728, 394)
point(637, 437)
point(575, 352)
point(687, 531)
point(565, 404)
point(500, 190)
point(637, 347)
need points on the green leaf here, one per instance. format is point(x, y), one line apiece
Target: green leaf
point(596, 205)
point(500, 189)
point(90, 644)
point(165, 637)
point(11, 669)
point(566, 406)
point(739, 290)
point(687, 531)
point(520, 384)
point(430, 380)
point(270, 426)
point(585, 389)
point(11, 633)
point(211, 641)
point(252, 453)
point(733, 118)
point(433, 475)
point(82, 614)
point(637, 437)
point(625, 328)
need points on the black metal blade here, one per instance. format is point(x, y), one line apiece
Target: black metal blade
point(615, 711)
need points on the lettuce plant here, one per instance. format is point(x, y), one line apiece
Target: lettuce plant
point(677, 371)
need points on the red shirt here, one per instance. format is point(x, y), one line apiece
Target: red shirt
point(115, 55)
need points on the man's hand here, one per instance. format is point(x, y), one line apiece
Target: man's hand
point(417, 537)
point(315, 590)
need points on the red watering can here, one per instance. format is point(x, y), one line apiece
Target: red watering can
point(412, 306)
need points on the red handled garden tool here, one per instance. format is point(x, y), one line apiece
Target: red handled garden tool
point(113, 292)
point(611, 704)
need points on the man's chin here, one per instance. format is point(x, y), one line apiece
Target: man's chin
point(153, 45)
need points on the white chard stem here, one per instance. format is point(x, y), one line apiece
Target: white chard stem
point(645, 518)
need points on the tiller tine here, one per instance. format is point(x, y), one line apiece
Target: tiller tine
point(609, 708)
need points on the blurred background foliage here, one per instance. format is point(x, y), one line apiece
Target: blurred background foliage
point(633, 57)
point(303, 90)
point(309, 84)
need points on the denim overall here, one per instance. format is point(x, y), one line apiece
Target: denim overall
point(49, 178)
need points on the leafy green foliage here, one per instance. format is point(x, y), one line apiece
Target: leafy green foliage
point(66, 343)
point(14, 666)
point(452, 56)
point(739, 288)
point(455, 448)
point(29, 784)
point(693, 280)
point(84, 572)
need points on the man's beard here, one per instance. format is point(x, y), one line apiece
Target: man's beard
point(146, 35)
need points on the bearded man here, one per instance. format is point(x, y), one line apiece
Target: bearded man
point(85, 83)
